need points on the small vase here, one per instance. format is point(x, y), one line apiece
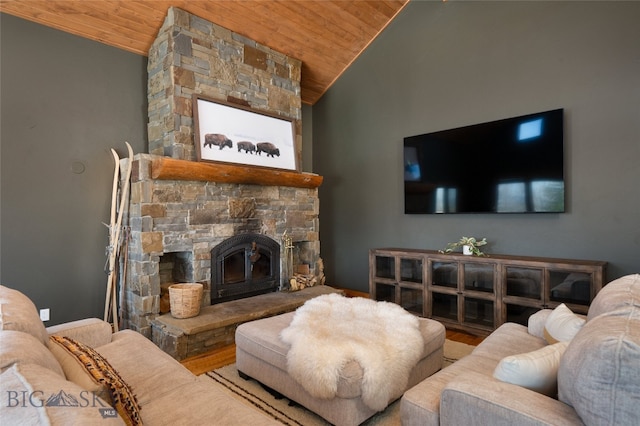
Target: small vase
point(466, 250)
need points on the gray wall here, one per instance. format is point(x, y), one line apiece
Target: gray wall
point(445, 65)
point(307, 137)
point(439, 65)
point(65, 102)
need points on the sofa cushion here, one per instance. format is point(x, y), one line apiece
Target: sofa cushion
point(150, 371)
point(536, 370)
point(202, 403)
point(17, 312)
point(42, 397)
point(562, 325)
point(599, 374)
point(621, 293)
point(76, 371)
point(18, 347)
point(122, 397)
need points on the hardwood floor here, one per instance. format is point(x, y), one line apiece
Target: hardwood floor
point(200, 364)
point(462, 337)
point(217, 358)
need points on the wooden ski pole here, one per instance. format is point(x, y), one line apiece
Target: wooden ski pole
point(111, 226)
point(111, 285)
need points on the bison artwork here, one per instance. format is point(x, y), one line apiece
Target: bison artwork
point(268, 148)
point(211, 139)
point(247, 146)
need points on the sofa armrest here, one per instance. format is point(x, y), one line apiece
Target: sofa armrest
point(476, 399)
point(91, 331)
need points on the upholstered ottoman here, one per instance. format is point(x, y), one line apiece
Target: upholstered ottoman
point(262, 355)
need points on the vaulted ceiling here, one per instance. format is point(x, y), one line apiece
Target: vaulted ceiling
point(326, 35)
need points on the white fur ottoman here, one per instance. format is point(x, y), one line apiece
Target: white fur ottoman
point(262, 355)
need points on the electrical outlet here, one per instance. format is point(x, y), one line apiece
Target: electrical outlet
point(44, 314)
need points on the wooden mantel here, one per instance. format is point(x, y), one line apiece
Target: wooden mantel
point(173, 169)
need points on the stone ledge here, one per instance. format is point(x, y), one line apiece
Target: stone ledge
point(215, 326)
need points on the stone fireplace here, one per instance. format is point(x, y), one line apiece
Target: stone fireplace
point(178, 218)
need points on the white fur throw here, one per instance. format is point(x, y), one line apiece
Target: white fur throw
point(330, 330)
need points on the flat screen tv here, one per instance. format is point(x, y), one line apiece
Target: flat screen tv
point(514, 165)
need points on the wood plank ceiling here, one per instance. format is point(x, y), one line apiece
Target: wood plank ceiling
point(326, 35)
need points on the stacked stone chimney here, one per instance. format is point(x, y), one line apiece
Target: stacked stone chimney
point(191, 55)
point(175, 224)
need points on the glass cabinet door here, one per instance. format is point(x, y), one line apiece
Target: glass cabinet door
point(444, 274)
point(411, 270)
point(411, 285)
point(519, 314)
point(444, 306)
point(479, 277)
point(478, 312)
point(570, 287)
point(385, 292)
point(399, 279)
point(411, 299)
point(524, 282)
point(385, 267)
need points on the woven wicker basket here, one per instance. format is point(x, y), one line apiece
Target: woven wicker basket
point(185, 299)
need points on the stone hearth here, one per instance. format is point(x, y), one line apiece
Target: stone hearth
point(216, 325)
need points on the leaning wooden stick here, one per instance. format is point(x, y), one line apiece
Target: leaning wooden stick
point(114, 240)
point(111, 227)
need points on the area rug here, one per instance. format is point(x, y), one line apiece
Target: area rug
point(252, 393)
point(453, 351)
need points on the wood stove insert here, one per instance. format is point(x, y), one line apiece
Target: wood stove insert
point(244, 265)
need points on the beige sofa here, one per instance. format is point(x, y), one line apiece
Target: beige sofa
point(598, 378)
point(35, 391)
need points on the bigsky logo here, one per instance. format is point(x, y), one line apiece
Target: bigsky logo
point(16, 399)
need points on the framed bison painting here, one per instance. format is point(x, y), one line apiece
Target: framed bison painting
point(235, 134)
